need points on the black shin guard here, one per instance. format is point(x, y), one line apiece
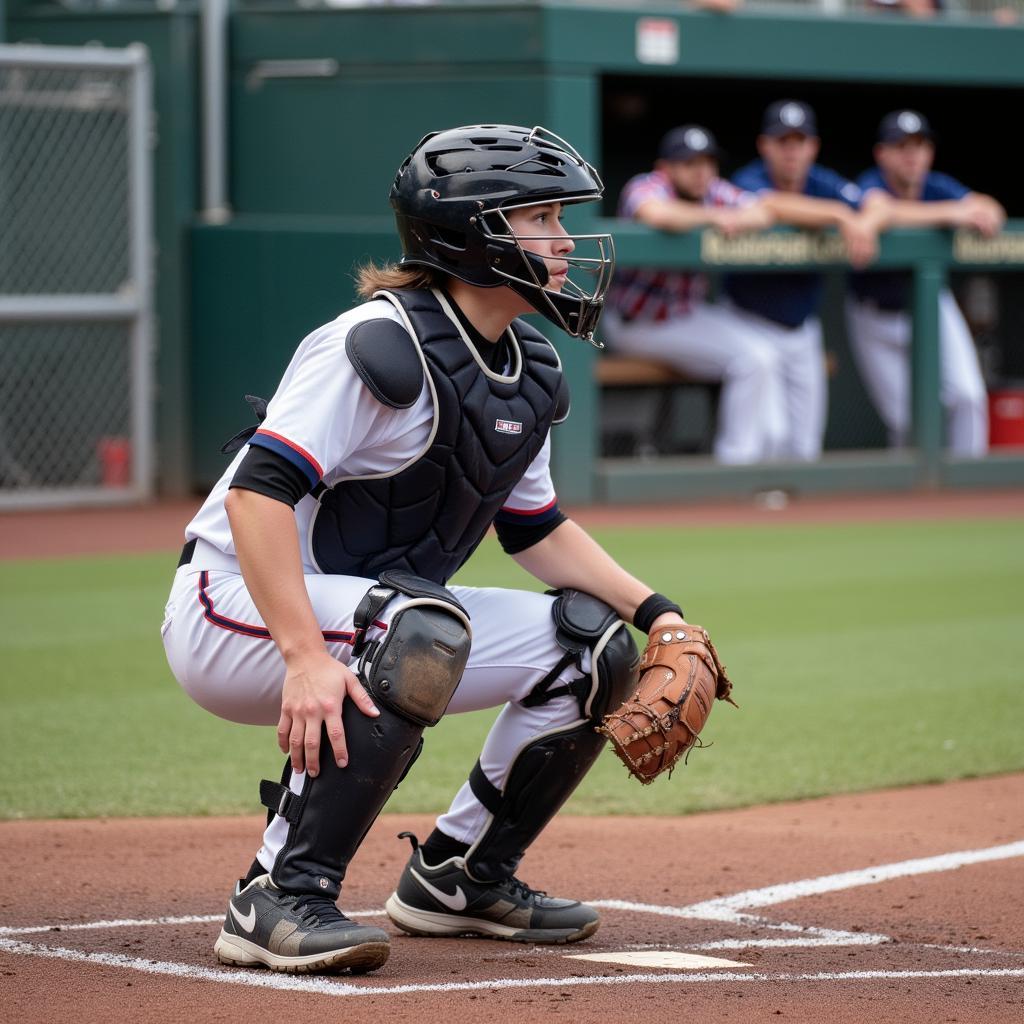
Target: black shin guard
point(547, 770)
point(411, 673)
point(329, 818)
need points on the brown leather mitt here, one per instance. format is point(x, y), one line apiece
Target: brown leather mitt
point(680, 677)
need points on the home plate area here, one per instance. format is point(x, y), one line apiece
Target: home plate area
point(715, 941)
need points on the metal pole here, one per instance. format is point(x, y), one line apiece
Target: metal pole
point(216, 208)
point(140, 185)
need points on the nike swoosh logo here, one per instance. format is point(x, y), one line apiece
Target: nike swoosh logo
point(247, 921)
point(454, 901)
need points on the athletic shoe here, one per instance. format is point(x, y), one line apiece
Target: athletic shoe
point(295, 932)
point(445, 900)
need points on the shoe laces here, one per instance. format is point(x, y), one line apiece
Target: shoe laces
point(520, 888)
point(318, 910)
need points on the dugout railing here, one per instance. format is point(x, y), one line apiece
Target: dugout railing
point(929, 255)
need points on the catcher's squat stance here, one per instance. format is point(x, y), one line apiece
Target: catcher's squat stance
point(312, 591)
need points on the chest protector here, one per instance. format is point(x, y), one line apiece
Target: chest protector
point(429, 516)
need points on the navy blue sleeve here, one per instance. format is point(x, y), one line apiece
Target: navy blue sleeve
point(266, 472)
point(827, 184)
point(938, 187)
point(872, 178)
point(751, 178)
point(518, 535)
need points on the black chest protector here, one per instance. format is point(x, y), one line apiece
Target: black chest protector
point(429, 516)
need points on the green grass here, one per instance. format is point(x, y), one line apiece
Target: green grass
point(863, 656)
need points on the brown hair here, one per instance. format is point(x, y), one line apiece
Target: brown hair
point(371, 278)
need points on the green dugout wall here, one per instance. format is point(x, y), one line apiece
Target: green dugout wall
point(324, 103)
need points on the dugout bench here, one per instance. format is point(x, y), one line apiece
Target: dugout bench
point(648, 408)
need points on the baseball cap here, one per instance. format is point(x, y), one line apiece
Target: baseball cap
point(686, 142)
point(786, 116)
point(901, 124)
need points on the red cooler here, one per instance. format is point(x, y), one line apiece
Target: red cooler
point(1006, 417)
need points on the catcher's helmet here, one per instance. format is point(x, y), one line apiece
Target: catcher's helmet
point(450, 198)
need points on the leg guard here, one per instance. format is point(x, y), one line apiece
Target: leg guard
point(548, 768)
point(411, 673)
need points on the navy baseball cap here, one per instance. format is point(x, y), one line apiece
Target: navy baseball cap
point(902, 124)
point(688, 141)
point(785, 117)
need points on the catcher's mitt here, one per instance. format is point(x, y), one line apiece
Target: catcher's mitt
point(680, 677)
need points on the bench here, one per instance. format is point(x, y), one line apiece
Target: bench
point(643, 423)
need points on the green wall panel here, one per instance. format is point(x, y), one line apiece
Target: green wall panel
point(332, 146)
point(259, 289)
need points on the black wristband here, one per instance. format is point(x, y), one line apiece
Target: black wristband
point(650, 608)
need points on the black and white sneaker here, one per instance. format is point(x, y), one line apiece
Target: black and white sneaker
point(445, 900)
point(298, 933)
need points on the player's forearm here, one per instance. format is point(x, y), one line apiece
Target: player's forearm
point(876, 211)
point(909, 213)
point(805, 211)
point(678, 216)
point(267, 546)
point(570, 557)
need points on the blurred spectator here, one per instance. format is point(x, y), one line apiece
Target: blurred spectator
point(912, 8)
point(783, 308)
point(718, 6)
point(663, 315)
point(879, 323)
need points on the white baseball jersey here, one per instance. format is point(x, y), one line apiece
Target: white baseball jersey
point(325, 421)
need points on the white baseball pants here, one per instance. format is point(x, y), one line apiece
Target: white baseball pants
point(881, 342)
point(802, 390)
point(711, 343)
point(207, 630)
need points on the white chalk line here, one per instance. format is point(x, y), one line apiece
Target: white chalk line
point(144, 923)
point(323, 986)
point(727, 909)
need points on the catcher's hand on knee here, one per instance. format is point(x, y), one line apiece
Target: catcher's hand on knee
point(314, 690)
point(680, 677)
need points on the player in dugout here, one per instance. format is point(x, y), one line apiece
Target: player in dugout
point(663, 314)
point(783, 307)
point(878, 319)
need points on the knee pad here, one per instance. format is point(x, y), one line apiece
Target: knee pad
point(415, 668)
point(584, 623)
point(412, 673)
point(546, 770)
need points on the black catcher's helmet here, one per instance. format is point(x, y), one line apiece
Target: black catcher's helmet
point(450, 198)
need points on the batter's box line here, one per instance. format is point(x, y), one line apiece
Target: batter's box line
point(725, 909)
point(322, 986)
point(733, 909)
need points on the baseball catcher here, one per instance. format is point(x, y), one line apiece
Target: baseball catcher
point(681, 675)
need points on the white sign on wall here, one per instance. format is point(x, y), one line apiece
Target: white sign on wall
point(657, 41)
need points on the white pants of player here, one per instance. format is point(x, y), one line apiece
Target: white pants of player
point(881, 342)
point(710, 343)
point(239, 677)
point(802, 390)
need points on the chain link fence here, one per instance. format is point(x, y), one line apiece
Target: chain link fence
point(75, 288)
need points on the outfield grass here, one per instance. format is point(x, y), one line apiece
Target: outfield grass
point(863, 656)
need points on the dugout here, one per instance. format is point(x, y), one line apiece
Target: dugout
point(324, 103)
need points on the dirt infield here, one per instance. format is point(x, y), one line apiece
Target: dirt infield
point(160, 526)
point(900, 905)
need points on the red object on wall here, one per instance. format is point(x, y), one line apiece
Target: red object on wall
point(115, 455)
point(1006, 418)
